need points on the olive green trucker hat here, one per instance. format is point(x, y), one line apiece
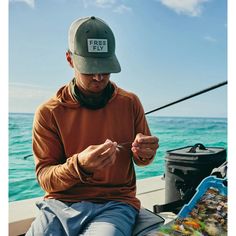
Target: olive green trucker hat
point(92, 44)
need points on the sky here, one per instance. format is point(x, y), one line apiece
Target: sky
point(167, 49)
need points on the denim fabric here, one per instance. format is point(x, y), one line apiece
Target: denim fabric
point(57, 218)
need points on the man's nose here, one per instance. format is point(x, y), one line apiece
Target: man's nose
point(98, 77)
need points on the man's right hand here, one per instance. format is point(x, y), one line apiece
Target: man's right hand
point(96, 157)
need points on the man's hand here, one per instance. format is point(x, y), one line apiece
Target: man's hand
point(144, 147)
point(96, 157)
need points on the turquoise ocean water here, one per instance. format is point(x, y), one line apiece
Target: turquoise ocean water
point(173, 132)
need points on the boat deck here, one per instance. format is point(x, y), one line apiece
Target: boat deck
point(150, 191)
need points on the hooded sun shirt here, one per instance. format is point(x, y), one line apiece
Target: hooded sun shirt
point(63, 128)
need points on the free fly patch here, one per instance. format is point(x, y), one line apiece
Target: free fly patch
point(97, 45)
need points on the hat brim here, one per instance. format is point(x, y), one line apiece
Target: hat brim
point(98, 65)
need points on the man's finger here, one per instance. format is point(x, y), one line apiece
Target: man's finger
point(101, 148)
point(109, 152)
point(148, 139)
point(146, 152)
point(147, 145)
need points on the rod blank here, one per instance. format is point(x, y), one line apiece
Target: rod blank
point(188, 97)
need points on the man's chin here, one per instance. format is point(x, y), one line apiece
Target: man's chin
point(97, 88)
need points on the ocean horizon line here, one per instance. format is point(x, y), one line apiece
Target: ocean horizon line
point(161, 116)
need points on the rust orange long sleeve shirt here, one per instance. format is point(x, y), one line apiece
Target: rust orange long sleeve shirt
point(62, 129)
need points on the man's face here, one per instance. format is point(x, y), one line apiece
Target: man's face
point(93, 83)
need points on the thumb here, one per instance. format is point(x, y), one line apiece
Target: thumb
point(102, 148)
point(139, 137)
point(108, 141)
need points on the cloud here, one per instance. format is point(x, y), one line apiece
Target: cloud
point(122, 9)
point(99, 3)
point(26, 97)
point(186, 7)
point(210, 39)
point(30, 91)
point(30, 3)
point(107, 4)
point(89, 3)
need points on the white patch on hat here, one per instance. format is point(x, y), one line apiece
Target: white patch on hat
point(97, 45)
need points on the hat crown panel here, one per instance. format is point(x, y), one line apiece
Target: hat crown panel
point(98, 31)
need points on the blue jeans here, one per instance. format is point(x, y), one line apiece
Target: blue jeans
point(57, 218)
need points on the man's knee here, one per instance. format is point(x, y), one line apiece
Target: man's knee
point(45, 224)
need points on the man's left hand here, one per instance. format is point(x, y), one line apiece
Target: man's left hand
point(144, 147)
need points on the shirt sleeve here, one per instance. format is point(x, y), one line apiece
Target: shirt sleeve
point(141, 126)
point(54, 171)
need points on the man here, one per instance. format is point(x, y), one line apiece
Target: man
point(86, 172)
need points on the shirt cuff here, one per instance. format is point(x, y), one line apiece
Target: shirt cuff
point(79, 171)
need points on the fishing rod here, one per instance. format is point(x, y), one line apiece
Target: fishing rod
point(188, 97)
point(175, 102)
point(25, 157)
